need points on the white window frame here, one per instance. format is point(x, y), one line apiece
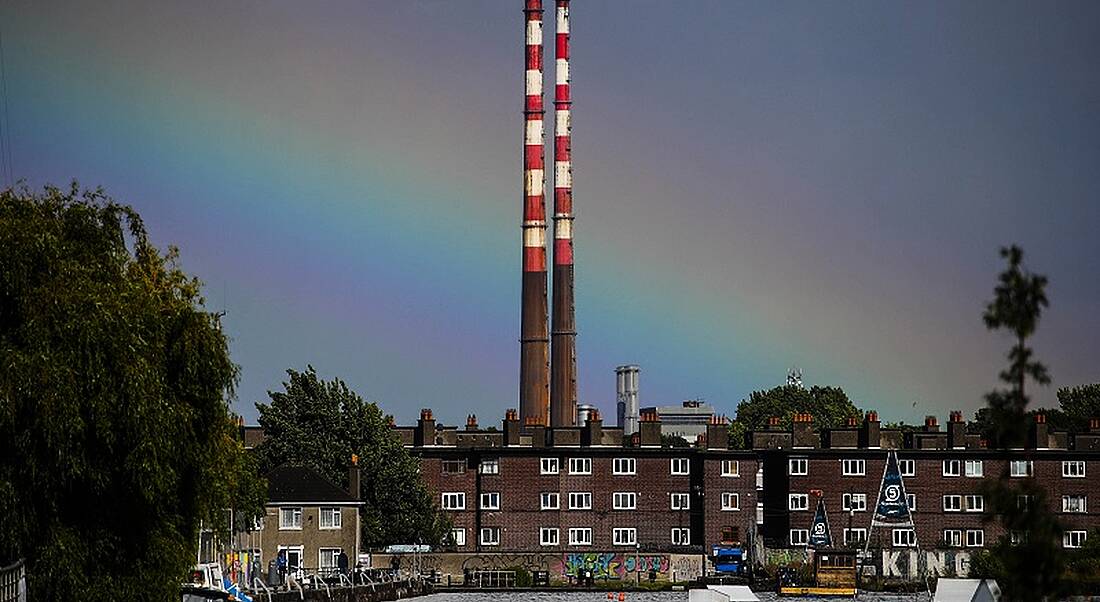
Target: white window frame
point(580, 536)
point(490, 500)
point(731, 501)
point(624, 536)
point(952, 468)
point(911, 500)
point(489, 466)
point(798, 467)
point(904, 538)
point(1073, 469)
point(549, 536)
point(580, 500)
point(1023, 502)
point(549, 466)
point(624, 466)
point(334, 516)
point(798, 537)
point(953, 538)
point(1074, 539)
point(797, 502)
point(679, 501)
point(859, 533)
point(731, 468)
point(490, 536)
point(854, 502)
point(975, 538)
point(974, 503)
point(333, 555)
point(1076, 503)
point(624, 500)
point(974, 469)
point(295, 518)
point(955, 506)
point(550, 500)
point(299, 551)
point(679, 466)
point(457, 500)
point(680, 536)
point(580, 465)
point(908, 467)
point(458, 536)
point(853, 467)
point(1021, 468)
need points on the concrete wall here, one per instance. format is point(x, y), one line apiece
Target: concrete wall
point(612, 566)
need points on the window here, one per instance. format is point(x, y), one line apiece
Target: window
point(975, 503)
point(491, 466)
point(951, 468)
point(454, 501)
point(1073, 539)
point(759, 513)
point(1075, 468)
point(798, 501)
point(731, 501)
point(490, 501)
point(1073, 503)
point(974, 468)
point(731, 468)
point(854, 536)
point(730, 534)
point(548, 536)
point(853, 468)
point(454, 466)
point(953, 538)
point(975, 538)
point(680, 501)
point(679, 466)
point(580, 536)
point(258, 522)
point(624, 466)
point(490, 536)
point(624, 536)
point(294, 555)
point(327, 560)
point(1020, 468)
point(911, 499)
point(580, 500)
point(548, 466)
point(908, 468)
point(952, 503)
point(681, 536)
point(1016, 538)
point(330, 518)
point(549, 500)
point(799, 537)
point(580, 465)
point(458, 537)
point(624, 500)
point(856, 502)
point(290, 518)
point(798, 466)
point(1023, 502)
point(905, 538)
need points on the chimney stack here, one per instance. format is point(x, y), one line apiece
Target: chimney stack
point(649, 430)
point(511, 427)
point(931, 425)
point(425, 429)
point(592, 432)
point(956, 431)
point(870, 435)
point(534, 398)
point(718, 433)
point(563, 348)
point(471, 422)
point(1040, 433)
point(803, 434)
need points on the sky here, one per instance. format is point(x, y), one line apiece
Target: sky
point(757, 186)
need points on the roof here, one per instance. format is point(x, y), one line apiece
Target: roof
point(967, 590)
point(305, 485)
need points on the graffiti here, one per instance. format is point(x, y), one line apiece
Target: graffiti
point(686, 567)
point(496, 562)
point(610, 565)
point(785, 556)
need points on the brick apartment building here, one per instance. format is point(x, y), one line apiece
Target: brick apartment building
point(537, 489)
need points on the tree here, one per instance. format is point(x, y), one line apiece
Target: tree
point(1033, 569)
point(321, 424)
point(116, 442)
point(829, 406)
point(1080, 404)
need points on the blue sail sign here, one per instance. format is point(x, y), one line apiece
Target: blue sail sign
point(820, 534)
point(892, 509)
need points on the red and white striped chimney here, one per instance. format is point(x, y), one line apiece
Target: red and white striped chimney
point(563, 364)
point(534, 402)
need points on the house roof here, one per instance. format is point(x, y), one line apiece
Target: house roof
point(301, 484)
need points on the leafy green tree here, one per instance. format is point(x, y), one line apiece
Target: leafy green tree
point(116, 442)
point(829, 406)
point(1034, 568)
point(1080, 404)
point(320, 424)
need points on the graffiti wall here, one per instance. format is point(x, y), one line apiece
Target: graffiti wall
point(604, 565)
point(912, 564)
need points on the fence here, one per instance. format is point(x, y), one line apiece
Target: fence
point(13, 583)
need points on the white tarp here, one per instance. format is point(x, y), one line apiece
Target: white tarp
point(967, 590)
point(723, 593)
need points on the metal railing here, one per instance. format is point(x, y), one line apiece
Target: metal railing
point(13, 582)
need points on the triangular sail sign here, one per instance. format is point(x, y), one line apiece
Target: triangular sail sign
point(821, 535)
point(892, 509)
